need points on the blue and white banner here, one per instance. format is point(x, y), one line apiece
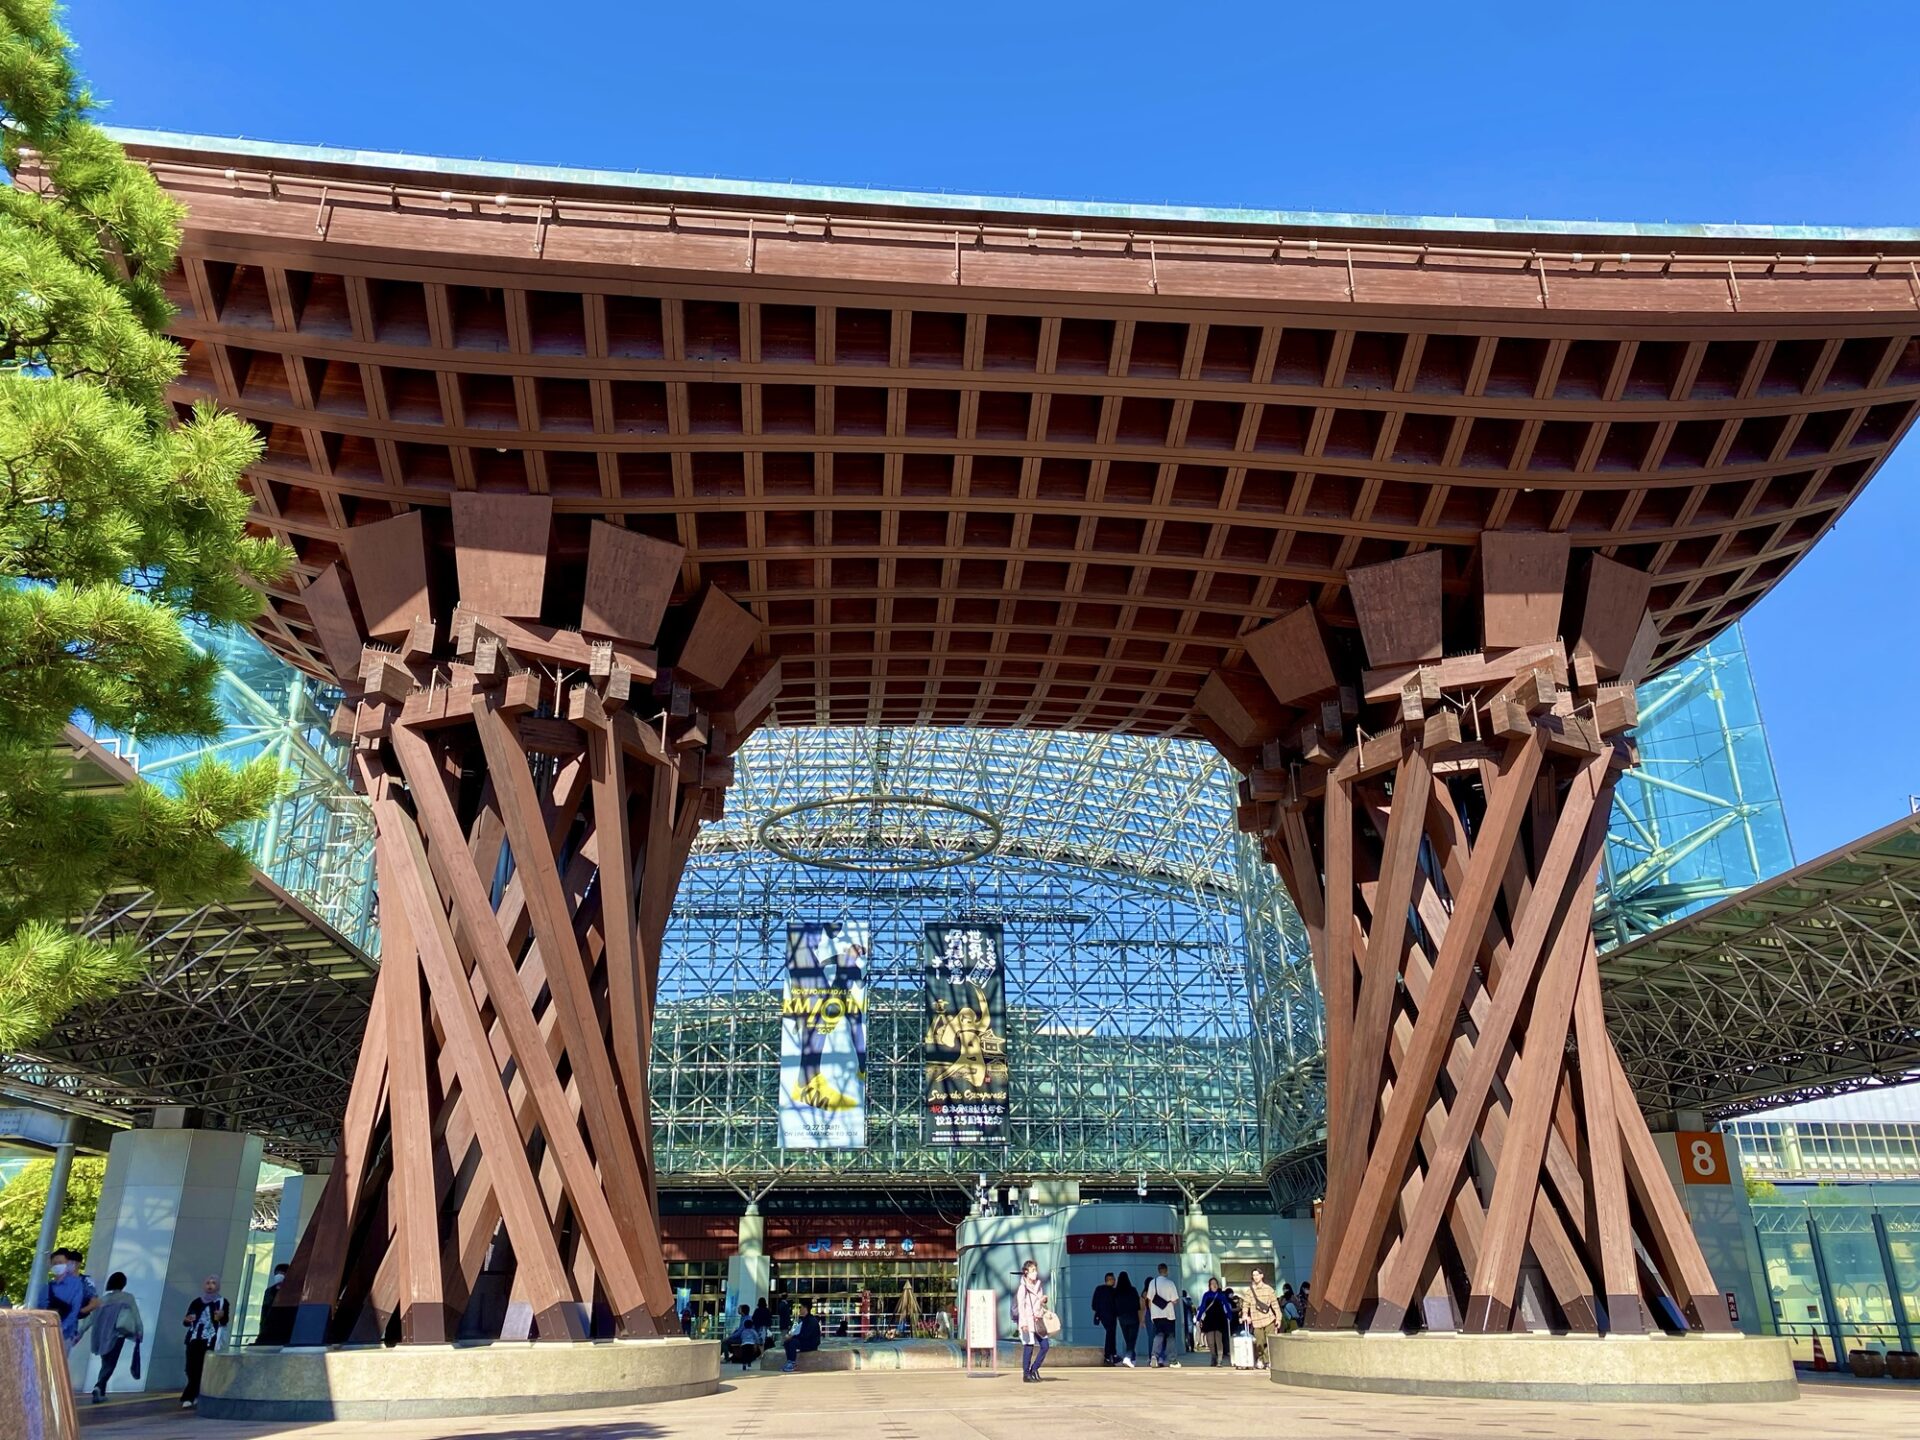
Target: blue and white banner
point(823, 1038)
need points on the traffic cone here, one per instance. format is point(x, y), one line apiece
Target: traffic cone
point(1819, 1355)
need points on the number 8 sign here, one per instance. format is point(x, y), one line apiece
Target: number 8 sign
point(1703, 1157)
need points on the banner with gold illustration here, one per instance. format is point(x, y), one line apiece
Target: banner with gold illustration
point(966, 1037)
point(823, 1038)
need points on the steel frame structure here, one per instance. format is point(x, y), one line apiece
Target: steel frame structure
point(1805, 986)
point(1129, 1024)
point(317, 840)
point(1698, 817)
point(250, 1008)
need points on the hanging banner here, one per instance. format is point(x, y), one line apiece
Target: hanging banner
point(966, 1037)
point(823, 1039)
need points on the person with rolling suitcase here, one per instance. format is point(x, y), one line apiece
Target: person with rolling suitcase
point(1263, 1314)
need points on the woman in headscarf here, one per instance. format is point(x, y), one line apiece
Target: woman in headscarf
point(1030, 1314)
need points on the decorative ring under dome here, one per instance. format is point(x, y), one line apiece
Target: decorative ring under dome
point(976, 846)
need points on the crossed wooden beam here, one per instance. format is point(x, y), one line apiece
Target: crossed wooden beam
point(1434, 785)
point(536, 787)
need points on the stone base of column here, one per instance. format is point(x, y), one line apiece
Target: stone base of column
point(1694, 1369)
point(414, 1382)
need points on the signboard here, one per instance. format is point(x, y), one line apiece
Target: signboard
point(1703, 1157)
point(1123, 1242)
point(965, 1043)
point(983, 1320)
point(864, 1245)
point(823, 1038)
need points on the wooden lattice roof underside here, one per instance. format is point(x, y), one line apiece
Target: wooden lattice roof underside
point(968, 470)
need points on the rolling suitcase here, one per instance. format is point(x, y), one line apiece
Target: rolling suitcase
point(1243, 1352)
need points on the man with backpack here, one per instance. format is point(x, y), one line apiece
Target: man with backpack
point(1160, 1304)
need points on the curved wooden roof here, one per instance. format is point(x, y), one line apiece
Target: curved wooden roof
point(980, 466)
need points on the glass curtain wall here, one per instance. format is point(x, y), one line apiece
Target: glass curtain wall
point(1699, 818)
point(317, 842)
point(1129, 1028)
point(1843, 1267)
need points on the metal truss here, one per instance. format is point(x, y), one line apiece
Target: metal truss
point(1289, 1024)
point(1130, 1033)
point(250, 1011)
point(317, 842)
point(1807, 985)
point(1150, 807)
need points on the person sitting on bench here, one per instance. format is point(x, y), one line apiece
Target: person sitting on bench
point(805, 1337)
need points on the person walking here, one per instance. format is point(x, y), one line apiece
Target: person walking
point(1189, 1337)
point(68, 1293)
point(208, 1313)
point(1030, 1315)
point(804, 1338)
point(115, 1320)
point(762, 1318)
point(1289, 1312)
point(1215, 1320)
point(1160, 1305)
point(1263, 1314)
point(1126, 1309)
point(1104, 1317)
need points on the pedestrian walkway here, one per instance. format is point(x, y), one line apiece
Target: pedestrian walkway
point(1186, 1404)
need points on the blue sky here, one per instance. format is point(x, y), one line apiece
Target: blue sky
point(1627, 112)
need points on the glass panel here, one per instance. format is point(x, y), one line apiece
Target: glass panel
point(702, 1285)
point(1699, 818)
point(1862, 1293)
point(1793, 1282)
point(1903, 1239)
point(835, 1287)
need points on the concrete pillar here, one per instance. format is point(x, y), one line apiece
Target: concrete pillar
point(1293, 1243)
point(749, 1277)
point(1713, 1188)
point(175, 1207)
point(299, 1198)
point(1196, 1252)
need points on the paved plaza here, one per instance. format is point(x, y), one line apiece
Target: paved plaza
point(1095, 1404)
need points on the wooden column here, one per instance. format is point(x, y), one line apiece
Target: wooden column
point(1440, 818)
point(540, 743)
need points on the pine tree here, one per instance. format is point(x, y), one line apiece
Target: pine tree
point(118, 520)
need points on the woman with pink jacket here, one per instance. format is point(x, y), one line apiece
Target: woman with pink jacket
point(1029, 1310)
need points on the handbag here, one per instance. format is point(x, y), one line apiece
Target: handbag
point(136, 1359)
point(1050, 1323)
